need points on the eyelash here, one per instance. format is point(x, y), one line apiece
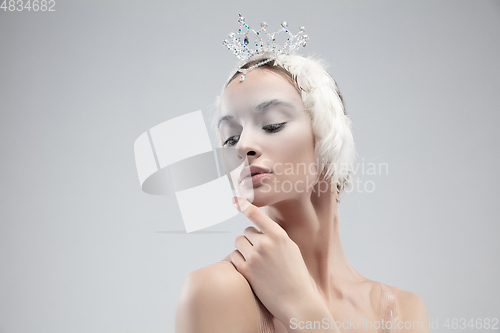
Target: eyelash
point(273, 128)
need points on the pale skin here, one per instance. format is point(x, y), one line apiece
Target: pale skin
point(292, 257)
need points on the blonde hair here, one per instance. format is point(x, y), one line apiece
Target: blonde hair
point(332, 128)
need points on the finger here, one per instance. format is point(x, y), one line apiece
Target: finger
point(252, 234)
point(255, 215)
point(240, 203)
point(243, 245)
point(237, 259)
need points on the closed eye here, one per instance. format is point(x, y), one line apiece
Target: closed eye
point(273, 128)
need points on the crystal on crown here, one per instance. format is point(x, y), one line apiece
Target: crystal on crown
point(248, 42)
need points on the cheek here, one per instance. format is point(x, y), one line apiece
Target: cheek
point(295, 155)
point(302, 141)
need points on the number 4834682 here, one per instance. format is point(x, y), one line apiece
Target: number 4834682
point(29, 5)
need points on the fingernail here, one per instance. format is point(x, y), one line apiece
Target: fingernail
point(234, 200)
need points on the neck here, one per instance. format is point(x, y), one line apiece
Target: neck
point(313, 224)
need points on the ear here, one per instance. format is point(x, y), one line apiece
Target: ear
point(324, 188)
point(324, 185)
point(321, 167)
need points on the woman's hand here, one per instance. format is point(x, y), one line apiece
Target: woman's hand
point(273, 265)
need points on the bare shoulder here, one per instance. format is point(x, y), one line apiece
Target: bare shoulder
point(216, 298)
point(411, 309)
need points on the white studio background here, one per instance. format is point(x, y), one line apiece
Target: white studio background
point(83, 249)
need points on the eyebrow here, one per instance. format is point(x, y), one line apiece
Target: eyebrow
point(259, 108)
point(222, 119)
point(264, 105)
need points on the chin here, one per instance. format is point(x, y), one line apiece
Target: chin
point(260, 202)
point(263, 197)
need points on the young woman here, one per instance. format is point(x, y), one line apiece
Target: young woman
point(289, 272)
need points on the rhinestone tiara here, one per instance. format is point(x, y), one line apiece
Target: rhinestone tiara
point(248, 42)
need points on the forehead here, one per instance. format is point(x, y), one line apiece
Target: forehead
point(259, 85)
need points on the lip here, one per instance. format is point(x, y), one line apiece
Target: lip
point(253, 169)
point(254, 179)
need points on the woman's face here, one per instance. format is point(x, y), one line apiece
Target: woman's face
point(264, 118)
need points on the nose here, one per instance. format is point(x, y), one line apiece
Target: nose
point(248, 147)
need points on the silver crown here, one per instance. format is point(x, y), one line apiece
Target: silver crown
point(248, 42)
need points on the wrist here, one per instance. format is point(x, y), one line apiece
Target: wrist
point(308, 310)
